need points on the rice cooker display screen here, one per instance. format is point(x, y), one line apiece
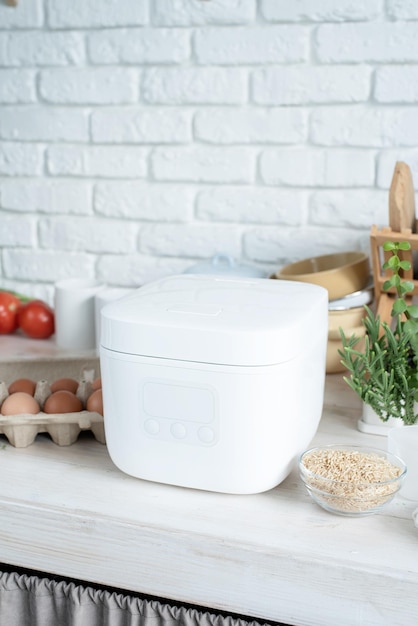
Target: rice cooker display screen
point(177, 412)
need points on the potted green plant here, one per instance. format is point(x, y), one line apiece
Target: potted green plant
point(383, 373)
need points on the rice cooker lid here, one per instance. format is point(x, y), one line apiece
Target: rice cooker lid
point(213, 319)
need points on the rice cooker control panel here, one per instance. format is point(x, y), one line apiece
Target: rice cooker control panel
point(180, 413)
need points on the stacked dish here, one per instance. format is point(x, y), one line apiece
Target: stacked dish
point(346, 276)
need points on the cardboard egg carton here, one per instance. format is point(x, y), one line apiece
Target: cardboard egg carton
point(63, 428)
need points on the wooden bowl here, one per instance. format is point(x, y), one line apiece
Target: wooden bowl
point(334, 344)
point(349, 318)
point(340, 273)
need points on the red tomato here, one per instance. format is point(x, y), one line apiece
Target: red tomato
point(9, 306)
point(36, 319)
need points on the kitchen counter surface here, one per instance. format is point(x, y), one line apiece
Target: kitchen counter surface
point(277, 556)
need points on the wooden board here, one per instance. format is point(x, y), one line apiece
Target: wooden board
point(402, 199)
point(274, 556)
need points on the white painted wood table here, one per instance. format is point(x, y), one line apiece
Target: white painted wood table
point(276, 556)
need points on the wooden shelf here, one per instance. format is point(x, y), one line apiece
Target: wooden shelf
point(384, 299)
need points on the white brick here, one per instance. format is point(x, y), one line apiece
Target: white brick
point(320, 10)
point(45, 196)
point(20, 159)
point(41, 48)
point(386, 165)
point(79, 13)
point(141, 125)
point(349, 208)
point(378, 41)
point(310, 84)
point(38, 123)
point(26, 15)
point(17, 86)
point(402, 9)
point(262, 244)
point(227, 126)
point(47, 265)
point(41, 291)
point(100, 161)
point(143, 45)
point(260, 205)
point(144, 201)
point(366, 127)
point(196, 12)
point(89, 85)
point(317, 168)
point(17, 231)
point(294, 244)
point(204, 164)
point(190, 240)
point(274, 44)
point(396, 84)
point(134, 270)
point(190, 85)
point(87, 234)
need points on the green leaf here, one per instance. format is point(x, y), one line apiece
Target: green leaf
point(389, 246)
point(405, 265)
point(399, 307)
point(407, 286)
point(404, 245)
point(393, 281)
point(413, 311)
point(392, 263)
point(411, 326)
point(387, 285)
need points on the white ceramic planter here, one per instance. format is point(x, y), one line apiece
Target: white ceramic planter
point(404, 443)
point(372, 424)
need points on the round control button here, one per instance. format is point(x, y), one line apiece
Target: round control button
point(178, 430)
point(206, 434)
point(152, 427)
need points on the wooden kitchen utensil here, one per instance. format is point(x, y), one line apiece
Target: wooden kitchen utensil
point(402, 199)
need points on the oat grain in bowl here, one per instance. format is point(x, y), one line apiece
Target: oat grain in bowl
point(351, 480)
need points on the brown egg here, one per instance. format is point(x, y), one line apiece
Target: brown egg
point(96, 384)
point(95, 402)
point(69, 384)
point(19, 402)
point(62, 401)
point(23, 384)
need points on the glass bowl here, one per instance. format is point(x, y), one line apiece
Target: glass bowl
point(351, 480)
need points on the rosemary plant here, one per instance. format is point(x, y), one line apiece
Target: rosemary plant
point(384, 371)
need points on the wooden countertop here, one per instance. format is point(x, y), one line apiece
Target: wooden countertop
point(70, 511)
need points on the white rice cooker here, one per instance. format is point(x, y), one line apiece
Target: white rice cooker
point(213, 382)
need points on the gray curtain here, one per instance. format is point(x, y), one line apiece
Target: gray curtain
point(34, 601)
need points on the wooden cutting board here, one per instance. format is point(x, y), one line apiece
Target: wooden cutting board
point(402, 199)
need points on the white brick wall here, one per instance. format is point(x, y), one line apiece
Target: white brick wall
point(139, 137)
point(190, 85)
